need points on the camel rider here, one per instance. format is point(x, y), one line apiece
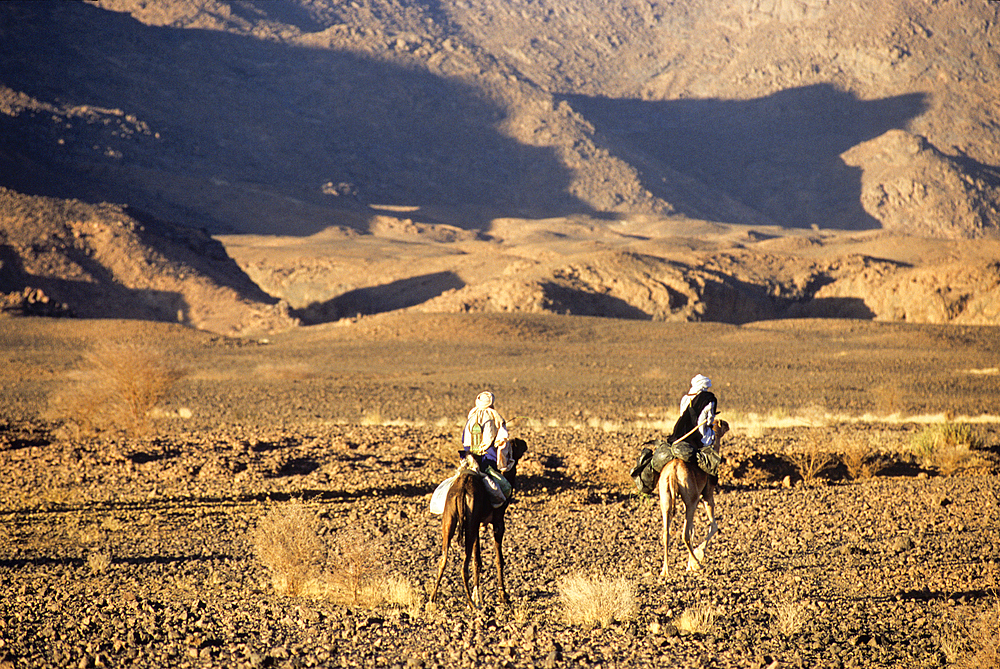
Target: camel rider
point(698, 409)
point(693, 439)
point(485, 438)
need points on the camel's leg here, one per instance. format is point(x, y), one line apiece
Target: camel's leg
point(447, 532)
point(498, 532)
point(667, 511)
point(471, 549)
point(690, 508)
point(477, 570)
point(713, 527)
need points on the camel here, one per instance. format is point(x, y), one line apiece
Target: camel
point(687, 482)
point(466, 509)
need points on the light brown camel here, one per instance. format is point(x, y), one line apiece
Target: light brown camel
point(466, 508)
point(687, 482)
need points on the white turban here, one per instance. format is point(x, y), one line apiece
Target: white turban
point(484, 400)
point(699, 383)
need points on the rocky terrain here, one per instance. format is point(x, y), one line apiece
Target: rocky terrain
point(724, 161)
point(256, 117)
point(123, 549)
point(258, 258)
point(69, 258)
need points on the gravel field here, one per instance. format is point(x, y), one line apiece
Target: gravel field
point(125, 550)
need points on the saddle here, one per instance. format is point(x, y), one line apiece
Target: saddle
point(651, 461)
point(497, 486)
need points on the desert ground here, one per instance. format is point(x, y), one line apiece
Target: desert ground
point(258, 258)
point(139, 547)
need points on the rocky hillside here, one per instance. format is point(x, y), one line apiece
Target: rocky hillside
point(269, 117)
point(68, 258)
point(507, 130)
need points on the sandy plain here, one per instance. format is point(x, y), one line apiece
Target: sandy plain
point(121, 550)
point(782, 120)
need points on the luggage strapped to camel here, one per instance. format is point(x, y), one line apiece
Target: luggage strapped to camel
point(652, 460)
point(496, 484)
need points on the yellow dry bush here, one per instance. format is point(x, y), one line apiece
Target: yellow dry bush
point(398, 591)
point(98, 561)
point(947, 447)
point(811, 460)
point(975, 642)
point(860, 460)
point(352, 572)
point(287, 542)
point(789, 617)
point(699, 619)
point(116, 387)
point(597, 599)
point(358, 569)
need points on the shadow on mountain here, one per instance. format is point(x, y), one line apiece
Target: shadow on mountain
point(832, 307)
point(779, 155)
point(565, 300)
point(100, 297)
point(200, 251)
point(377, 299)
point(244, 135)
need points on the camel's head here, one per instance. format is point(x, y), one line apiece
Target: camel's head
point(721, 427)
point(519, 447)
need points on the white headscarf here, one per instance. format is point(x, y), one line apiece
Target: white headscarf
point(494, 429)
point(484, 400)
point(699, 383)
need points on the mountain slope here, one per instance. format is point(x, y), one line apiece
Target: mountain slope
point(68, 258)
point(634, 159)
point(276, 117)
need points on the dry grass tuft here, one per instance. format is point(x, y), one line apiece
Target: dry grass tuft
point(947, 447)
point(597, 599)
point(975, 643)
point(861, 460)
point(358, 574)
point(811, 460)
point(789, 618)
point(372, 416)
point(117, 386)
point(98, 561)
point(287, 542)
point(699, 619)
point(398, 591)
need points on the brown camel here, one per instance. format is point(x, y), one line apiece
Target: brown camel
point(687, 482)
point(466, 509)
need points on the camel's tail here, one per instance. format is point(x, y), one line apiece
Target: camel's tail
point(673, 489)
point(462, 515)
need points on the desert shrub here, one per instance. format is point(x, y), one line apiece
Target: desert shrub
point(372, 416)
point(861, 459)
point(287, 542)
point(358, 574)
point(116, 387)
point(975, 643)
point(946, 447)
point(811, 460)
point(398, 591)
point(596, 599)
point(98, 561)
point(699, 619)
point(789, 617)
